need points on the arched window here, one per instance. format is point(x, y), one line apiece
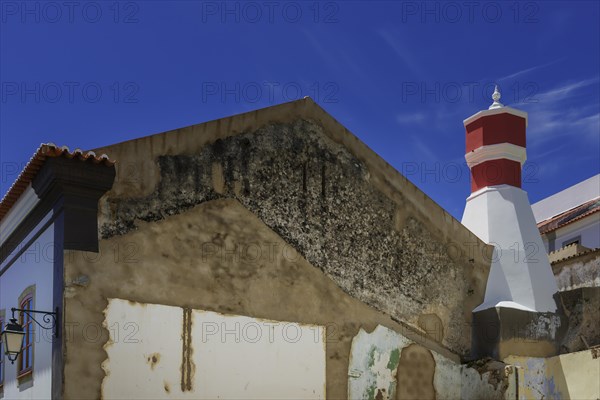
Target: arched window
point(27, 302)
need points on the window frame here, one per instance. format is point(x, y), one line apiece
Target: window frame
point(574, 239)
point(28, 349)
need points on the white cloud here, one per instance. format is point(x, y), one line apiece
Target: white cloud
point(562, 92)
point(528, 70)
point(410, 118)
point(555, 115)
point(402, 52)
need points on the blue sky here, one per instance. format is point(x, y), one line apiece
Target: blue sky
point(401, 76)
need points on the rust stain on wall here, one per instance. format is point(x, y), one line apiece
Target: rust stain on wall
point(153, 359)
point(187, 366)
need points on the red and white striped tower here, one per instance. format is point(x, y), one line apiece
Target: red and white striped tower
point(499, 213)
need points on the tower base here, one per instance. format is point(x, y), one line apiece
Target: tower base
point(499, 332)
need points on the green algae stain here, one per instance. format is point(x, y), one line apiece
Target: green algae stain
point(371, 392)
point(371, 359)
point(394, 360)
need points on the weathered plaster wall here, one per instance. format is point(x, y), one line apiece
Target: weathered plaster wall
point(568, 376)
point(504, 331)
point(222, 356)
point(578, 271)
point(386, 365)
point(327, 195)
point(218, 257)
point(575, 375)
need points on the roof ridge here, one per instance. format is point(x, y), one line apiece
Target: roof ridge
point(569, 210)
point(562, 219)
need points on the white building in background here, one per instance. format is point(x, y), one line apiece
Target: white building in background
point(571, 216)
point(569, 223)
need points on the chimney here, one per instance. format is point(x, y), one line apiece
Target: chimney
point(521, 287)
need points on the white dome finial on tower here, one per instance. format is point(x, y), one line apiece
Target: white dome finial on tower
point(496, 97)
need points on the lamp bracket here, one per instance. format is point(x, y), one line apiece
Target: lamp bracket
point(49, 318)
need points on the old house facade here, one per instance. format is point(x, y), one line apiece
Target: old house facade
point(270, 254)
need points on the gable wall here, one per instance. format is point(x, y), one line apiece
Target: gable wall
point(375, 249)
point(327, 194)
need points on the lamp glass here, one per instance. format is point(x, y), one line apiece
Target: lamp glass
point(12, 338)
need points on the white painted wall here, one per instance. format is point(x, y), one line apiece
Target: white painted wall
point(233, 357)
point(33, 267)
point(520, 275)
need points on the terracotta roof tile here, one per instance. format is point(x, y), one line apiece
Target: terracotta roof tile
point(45, 151)
point(569, 216)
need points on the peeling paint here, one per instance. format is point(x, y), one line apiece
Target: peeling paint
point(394, 360)
point(211, 355)
point(143, 350)
point(568, 376)
point(373, 364)
point(386, 365)
point(547, 324)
